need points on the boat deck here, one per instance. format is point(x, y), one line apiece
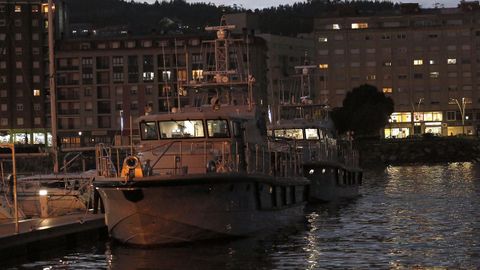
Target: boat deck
point(40, 231)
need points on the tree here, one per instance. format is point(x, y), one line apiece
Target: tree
point(365, 111)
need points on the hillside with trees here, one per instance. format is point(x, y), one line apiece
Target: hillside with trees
point(180, 16)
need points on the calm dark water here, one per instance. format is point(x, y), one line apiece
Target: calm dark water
point(408, 217)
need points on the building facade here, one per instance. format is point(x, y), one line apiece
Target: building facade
point(103, 83)
point(24, 90)
point(427, 60)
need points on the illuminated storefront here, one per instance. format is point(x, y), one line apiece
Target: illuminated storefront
point(23, 137)
point(401, 125)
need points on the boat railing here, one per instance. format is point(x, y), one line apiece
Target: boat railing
point(348, 155)
point(104, 163)
point(222, 156)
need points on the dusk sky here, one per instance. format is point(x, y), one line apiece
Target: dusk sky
point(252, 4)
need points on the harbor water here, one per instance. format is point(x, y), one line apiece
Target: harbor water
point(407, 217)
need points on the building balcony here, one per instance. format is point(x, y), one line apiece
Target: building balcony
point(62, 81)
point(69, 111)
point(68, 68)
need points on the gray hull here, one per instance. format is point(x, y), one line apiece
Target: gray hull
point(162, 212)
point(332, 182)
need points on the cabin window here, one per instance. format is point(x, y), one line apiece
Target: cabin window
point(311, 134)
point(218, 128)
point(149, 131)
point(290, 133)
point(181, 129)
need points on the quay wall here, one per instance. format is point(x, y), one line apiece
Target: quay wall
point(375, 152)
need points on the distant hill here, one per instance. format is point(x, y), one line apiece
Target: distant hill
point(180, 16)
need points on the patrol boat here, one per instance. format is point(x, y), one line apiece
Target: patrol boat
point(329, 163)
point(203, 172)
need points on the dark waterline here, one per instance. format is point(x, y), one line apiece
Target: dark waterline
point(407, 217)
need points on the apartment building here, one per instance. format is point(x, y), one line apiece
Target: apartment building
point(103, 83)
point(427, 60)
point(24, 100)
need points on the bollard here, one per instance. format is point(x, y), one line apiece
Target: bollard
point(43, 198)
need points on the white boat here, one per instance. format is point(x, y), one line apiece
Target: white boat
point(202, 172)
point(63, 193)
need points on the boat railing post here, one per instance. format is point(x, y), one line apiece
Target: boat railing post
point(256, 158)
point(275, 164)
point(205, 153)
point(263, 159)
point(247, 154)
point(180, 165)
point(237, 157)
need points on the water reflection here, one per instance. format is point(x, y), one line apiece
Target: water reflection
point(407, 217)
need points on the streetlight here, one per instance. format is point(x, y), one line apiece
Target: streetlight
point(416, 112)
point(462, 111)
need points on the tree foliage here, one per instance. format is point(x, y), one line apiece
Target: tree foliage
point(365, 111)
point(143, 18)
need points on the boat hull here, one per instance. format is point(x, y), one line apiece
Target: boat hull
point(159, 211)
point(330, 181)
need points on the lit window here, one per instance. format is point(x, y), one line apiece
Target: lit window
point(336, 26)
point(35, 8)
point(434, 74)
point(322, 39)
point(292, 133)
point(359, 25)
point(323, 66)
point(371, 77)
point(45, 8)
point(182, 75)
point(387, 90)
point(387, 64)
point(418, 62)
point(451, 61)
point(197, 74)
point(148, 76)
point(181, 129)
point(432, 62)
point(36, 92)
point(18, 8)
point(166, 75)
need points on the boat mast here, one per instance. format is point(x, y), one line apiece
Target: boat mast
point(53, 105)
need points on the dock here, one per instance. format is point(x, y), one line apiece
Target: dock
point(43, 232)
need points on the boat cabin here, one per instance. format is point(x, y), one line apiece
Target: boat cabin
point(193, 142)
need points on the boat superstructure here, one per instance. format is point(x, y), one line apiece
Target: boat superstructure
point(203, 171)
